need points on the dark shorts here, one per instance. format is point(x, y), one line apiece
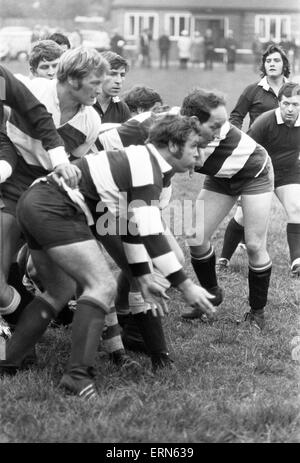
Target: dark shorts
point(287, 176)
point(263, 183)
point(48, 218)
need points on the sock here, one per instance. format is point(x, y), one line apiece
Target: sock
point(31, 326)
point(87, 327)
point(149, 326)
point(15, 280)
point(205, 268)
point(293, 238)
point(123, 288)
point(258, 280)
point(234, 234)
point(111, 335)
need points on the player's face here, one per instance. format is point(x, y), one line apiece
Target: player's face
point(274, 65)
point(46, 69)
point(218, 117)
point(189, 154)
point(89, 89)
point(290, 109)
point(113, 82)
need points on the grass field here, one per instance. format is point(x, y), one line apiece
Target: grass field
point(229, 384)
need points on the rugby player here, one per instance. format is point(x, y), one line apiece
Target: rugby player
point(235, 165)
point(39, 122)
point(55, 218)
point(108, 105)
point(256, 99)
point(43, 59)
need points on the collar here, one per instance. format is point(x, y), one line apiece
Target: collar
point(163, 164)
point(279, 119)
point(116, 99)
point(264, 83)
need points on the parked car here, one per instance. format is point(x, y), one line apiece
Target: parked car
point(96, 39)
point(15, 42)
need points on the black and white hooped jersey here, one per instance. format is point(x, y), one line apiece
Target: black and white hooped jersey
point(79, 133)
point(233, 155)
point(129, 183)
point(135, 131)
point(19, 100)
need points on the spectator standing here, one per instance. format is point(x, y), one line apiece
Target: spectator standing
point(209, 46)
point(145, 40)
point(197, 49)
point(164, 44)
point(231, 47)
point(117, 43)
point(184, 49)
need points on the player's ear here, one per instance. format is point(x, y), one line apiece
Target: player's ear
point(73, 82)
point(173, 147)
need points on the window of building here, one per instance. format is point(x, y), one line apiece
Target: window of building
point(136, 22)
point(175, 23)
point(272, 26)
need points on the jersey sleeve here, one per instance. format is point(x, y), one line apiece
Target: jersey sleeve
point(258, 130)
point(241, 109)
point(8, 157)
point(18, 97)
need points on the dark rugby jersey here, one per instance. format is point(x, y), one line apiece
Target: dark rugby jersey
point(233, 155)
point(256, 99)
point(117, 111)
point(281, 141)
point(129, 183)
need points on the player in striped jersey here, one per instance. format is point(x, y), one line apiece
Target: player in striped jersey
point(133, 132)
point(234, 165)
point(54, 220)
point(256, 99)
point(17, 97)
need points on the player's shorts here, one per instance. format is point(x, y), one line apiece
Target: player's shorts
point(287, 176)
point(263, 183)
point(49, 218)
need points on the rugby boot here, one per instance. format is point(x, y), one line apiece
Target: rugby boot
point(79, 381)
point(256, 318)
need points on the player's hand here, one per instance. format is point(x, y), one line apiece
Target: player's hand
point(198, 298)
point(70, 173)
point(154, 294)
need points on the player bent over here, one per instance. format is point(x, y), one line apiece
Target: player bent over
point(234, 165)
point(54, 220)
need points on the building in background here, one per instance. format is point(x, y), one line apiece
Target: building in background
point(268, 18)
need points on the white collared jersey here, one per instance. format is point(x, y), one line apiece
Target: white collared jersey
point(129, 183)
point(79, 133)
point(233, 155)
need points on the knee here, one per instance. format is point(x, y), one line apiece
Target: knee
point(254, 246)
point(293, 213)
point(106, 289)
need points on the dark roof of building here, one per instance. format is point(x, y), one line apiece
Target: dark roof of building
point(257, 5)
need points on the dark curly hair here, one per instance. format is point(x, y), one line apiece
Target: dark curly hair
point(174, 128)
point(275, 49)
point(200, 102)
point(141, 96)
